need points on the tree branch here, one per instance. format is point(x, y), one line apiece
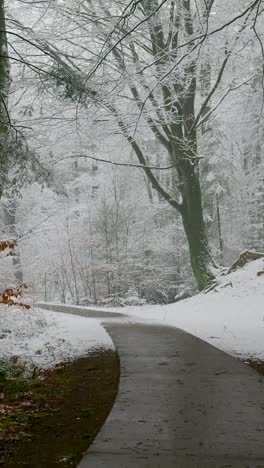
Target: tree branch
point(114, 163)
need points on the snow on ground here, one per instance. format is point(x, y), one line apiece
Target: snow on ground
point(230, 318)
point(44, 338)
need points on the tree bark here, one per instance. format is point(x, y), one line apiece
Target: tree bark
point(4, 87)
point(195, 230)
point(10, 224)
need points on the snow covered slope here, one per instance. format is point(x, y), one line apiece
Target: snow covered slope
point(231, 317)
point(44, 338)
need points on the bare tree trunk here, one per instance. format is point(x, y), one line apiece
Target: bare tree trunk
point(108, 255)
point(195, 230)
point(72, 264)
point(92, 261)
point(221, 243)
point(4, 88)
point(10, 223)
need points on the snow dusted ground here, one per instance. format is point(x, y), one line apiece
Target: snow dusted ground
point(230, 318)
point(44, 338)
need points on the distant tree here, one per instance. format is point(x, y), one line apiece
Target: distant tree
point(4, 89)
point(253, 149)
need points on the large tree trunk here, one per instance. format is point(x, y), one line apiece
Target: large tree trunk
point(195, 230)
point(185, 156)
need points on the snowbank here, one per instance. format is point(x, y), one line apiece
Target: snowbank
point(231, 317)
point(45, 338)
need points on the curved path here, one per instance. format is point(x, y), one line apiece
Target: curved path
point(181, 404)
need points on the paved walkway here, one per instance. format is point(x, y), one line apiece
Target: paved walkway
point(181, 404)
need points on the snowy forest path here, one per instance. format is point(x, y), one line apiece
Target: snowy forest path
point(181, 404)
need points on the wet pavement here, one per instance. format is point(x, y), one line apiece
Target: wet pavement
point(79, 310)
point(181, 404)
